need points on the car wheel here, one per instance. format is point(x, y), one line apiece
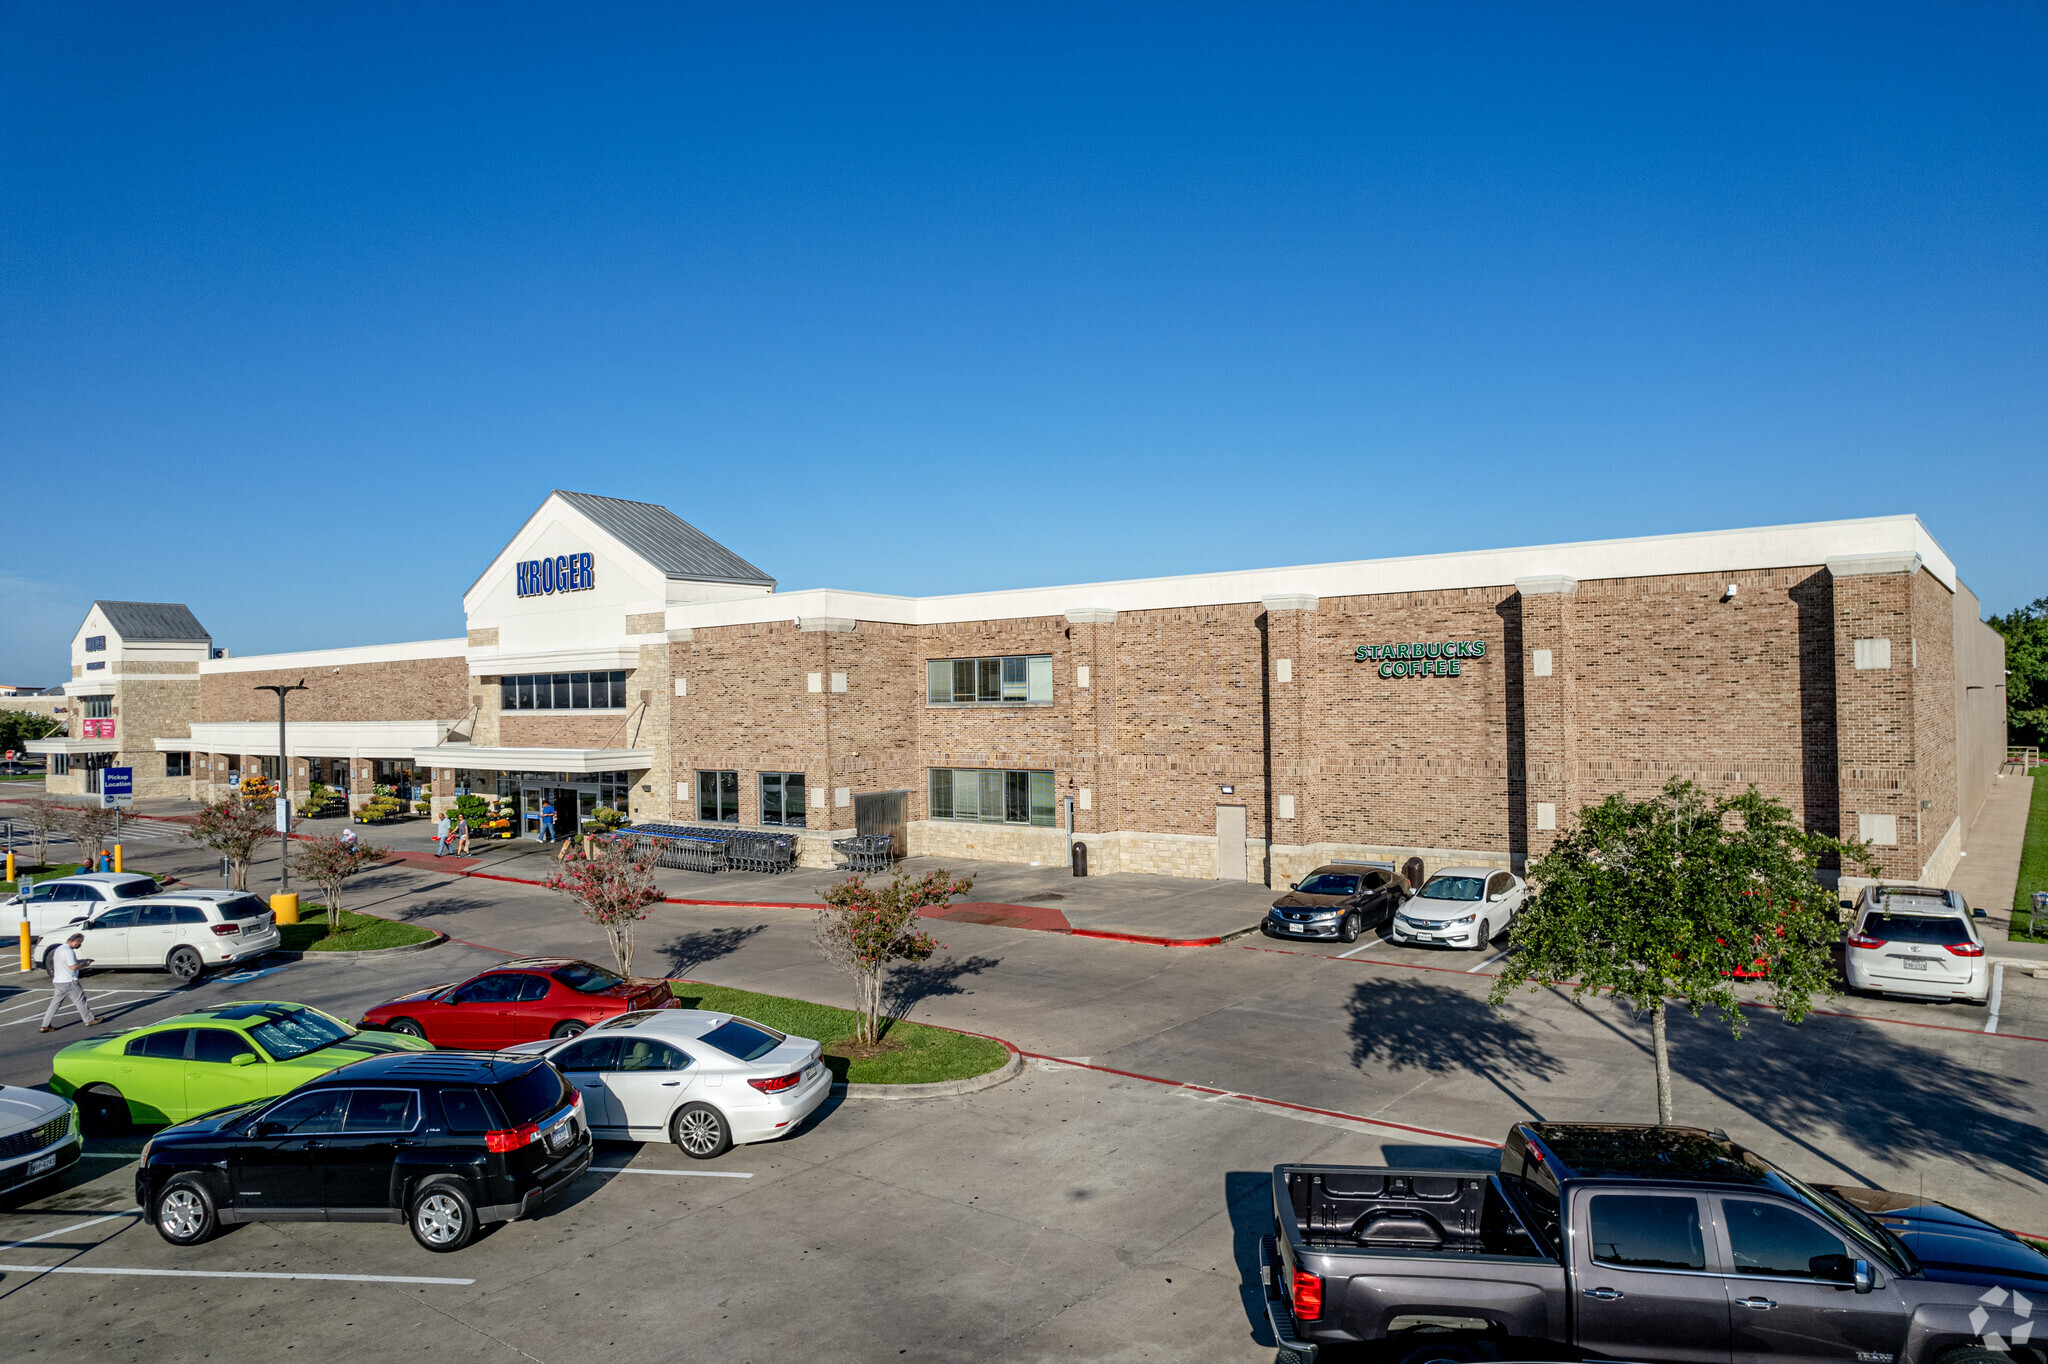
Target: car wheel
point(184, 1213)
point(1348, 932)
point(1485, 938)
point(701, 1132)
point(569, 1029)
point(443, 1217)
point(185, 964)
point(102, 1112)
point(406, 1026)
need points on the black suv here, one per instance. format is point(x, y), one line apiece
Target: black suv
point(443, 1141)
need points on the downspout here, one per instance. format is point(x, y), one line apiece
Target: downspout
point(1266, 736)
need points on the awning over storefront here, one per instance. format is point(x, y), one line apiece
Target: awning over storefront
point(73, 746)
point(475, 759)
point(312, 738)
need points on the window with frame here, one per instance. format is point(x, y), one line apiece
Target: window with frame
point(1011, 680)
point(177, 764)
point(782, 800)
point(992, 797)
point(95, 644)
point(718, 797)
point(60, 764)
point(563, 691)
point(98, 707)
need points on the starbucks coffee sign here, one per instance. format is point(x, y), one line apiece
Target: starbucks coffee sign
point(1427, 659)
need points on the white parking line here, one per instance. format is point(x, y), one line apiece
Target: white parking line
point(1380, 942)
point(1489, 961)
point(228, 1274)
point(1997, 991)
point(76, 1226)
point(679, 1174)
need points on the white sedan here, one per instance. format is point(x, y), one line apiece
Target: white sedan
point(1461, 907)
point(701, 1079)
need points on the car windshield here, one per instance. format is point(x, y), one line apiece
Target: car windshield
point(134, 890)
point(584, 978)
point(743, 1040)
point(1329, 883)
point(1933, 930)
point(292, 1034)
point(1454, 888)
point(242, 907)
point(1860, 1228)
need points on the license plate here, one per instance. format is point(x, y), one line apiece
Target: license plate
point(1914, 964)
point(558, 1136)
point(46, 1164)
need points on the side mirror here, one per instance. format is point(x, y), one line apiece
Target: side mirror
point(1848, 904)
point(1294, 885)
point(269, 1129)
point(1978, 914)
point(242, 1058)
point(1863, 1280)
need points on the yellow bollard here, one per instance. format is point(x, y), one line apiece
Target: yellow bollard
point(285, 907)
point(10, 867)
point(28, 954)
point(117, 857)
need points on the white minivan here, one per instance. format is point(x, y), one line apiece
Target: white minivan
point(187, 934)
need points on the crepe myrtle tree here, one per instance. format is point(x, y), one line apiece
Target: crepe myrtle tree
point(861, 930)
point(41, 815)
point(328, 862)
point(233, 827)
point(615, 891)
point(1663, 900)
point(90, 828)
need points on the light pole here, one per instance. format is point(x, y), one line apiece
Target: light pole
point(284, 787)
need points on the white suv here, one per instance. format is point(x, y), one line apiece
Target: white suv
point(63, 900)
point(1916, 941)
point(186, 934)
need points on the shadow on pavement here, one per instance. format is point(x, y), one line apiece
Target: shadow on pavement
point(688, 951)
point(1249, 1196)
point(912, 984)
point(1402, 1024)
point(1833, 1083)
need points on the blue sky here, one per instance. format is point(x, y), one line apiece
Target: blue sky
point(304, 308)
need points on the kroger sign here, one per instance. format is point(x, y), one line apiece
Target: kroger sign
point(563, 573)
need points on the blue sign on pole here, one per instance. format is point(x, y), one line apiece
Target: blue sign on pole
point(117, 786)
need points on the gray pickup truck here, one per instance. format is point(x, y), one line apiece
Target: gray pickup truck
point(1640, 1243)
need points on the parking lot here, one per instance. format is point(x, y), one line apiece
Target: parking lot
point(1103, 1205)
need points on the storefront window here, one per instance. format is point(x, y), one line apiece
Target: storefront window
point(563, 691)
point(992, 797)
point(98, 707)
point(782, 799)
point(718, 797)
point(177, 764)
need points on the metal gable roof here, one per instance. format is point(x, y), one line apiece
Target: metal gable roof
point(153, 620)
point(666, 541)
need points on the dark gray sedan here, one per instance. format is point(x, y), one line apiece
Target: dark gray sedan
point(1337, 901)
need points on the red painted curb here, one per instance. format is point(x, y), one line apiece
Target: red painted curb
point(1146, 938)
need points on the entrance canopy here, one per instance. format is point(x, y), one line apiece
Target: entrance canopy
point(565, 760)
point(72, 746)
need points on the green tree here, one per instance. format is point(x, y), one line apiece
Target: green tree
point(328, 863)
point(233, 827)
point(17, 727)
point(614, 889)
point(1662, 900)
point(2026, 661)
point(861, 930)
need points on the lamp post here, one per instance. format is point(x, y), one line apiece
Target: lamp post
point(284, 787)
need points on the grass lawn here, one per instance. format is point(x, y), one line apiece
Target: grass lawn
point(359, 932)
point(921, 1055)
point(2033, 862)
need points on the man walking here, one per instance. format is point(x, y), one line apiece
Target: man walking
point(441, 835)
point(547, 821)
point(65, 964)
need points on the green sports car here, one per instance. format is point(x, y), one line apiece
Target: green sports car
point(210, 1058)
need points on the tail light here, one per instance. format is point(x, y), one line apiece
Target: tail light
point(1864, 940)
point(1965, 949)
point(512, 1138)
point(1308, 1296)
point(776, 1085)
point(227, 930)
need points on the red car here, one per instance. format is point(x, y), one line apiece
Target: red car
point(521, 1001)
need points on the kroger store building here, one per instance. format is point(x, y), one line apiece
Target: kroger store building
point(1236, 725)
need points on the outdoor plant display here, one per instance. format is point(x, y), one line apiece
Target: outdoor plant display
point(381, 809)
point(233, 827)
point(256, 788)
point(328, 863)
point(1666, 899)
point(604, 821)
point(861, 930)
point(614, 889)
point(321, 801)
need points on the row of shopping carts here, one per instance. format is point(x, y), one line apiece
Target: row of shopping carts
point(864, 852)
point(690, 847)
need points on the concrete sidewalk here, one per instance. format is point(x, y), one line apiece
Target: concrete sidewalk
point(1990, 869)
